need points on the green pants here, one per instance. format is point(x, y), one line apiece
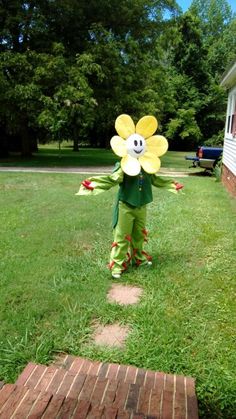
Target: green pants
point(129, 237)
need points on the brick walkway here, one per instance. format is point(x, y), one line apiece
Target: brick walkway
point(75, 387)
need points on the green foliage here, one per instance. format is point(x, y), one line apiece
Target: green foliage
point(47, 91)
point(189, 53)
point(185, 126)
point(188, 79)
point(219, 33)
point(215, 15)
point(216, 140)
point(198, 59)
point(222, 52)
point(218, 169)
point(71, 106)
point(67, 69)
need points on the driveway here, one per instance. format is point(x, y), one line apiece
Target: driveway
point(85, 170)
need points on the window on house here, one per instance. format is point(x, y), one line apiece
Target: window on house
point(231, 115)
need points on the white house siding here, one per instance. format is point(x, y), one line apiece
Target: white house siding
point(229, 150)
point(229, 154)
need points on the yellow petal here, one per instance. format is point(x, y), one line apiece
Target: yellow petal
point(157, 145)
point(130, 165)
point(150, 163)
point(146, 126)
point(118, 145)
point(124, 126)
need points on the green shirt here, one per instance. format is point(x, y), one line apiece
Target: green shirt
point(136, 190)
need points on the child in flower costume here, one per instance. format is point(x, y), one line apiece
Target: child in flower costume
point(139, 150)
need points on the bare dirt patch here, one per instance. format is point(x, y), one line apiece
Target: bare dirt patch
point(124, 294)
point(111, 335)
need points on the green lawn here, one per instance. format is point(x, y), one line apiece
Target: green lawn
point(50, 156)
point(53, 253)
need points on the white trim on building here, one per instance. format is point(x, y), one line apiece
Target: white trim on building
point(229, 77)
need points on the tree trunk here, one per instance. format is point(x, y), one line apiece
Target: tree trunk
point(26, 150)
point(4, 151)
point(75, 139)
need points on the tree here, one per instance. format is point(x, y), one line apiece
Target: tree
point(69, 111)
point(195, 76)
point(45, 91)
point(19, 99)
point(218, 24)
point(215, 16)
point(189, 80)
point(117, 34)
point(115, 56)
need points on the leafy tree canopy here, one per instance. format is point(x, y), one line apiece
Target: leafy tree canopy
point(68, 68)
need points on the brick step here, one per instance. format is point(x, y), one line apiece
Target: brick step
point(43, 376)
point(21, 402)
point(126, 373)
point(112, 385)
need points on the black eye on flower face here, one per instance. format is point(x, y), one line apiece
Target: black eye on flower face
point(135, 143)
point(141, 143)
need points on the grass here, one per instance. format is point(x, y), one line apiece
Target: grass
point(53, 278)
point(50, 156)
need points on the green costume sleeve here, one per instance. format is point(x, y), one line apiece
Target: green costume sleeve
point(102, 183)
point(161, 182)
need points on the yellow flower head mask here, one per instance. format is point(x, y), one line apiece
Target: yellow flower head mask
point(137, 146)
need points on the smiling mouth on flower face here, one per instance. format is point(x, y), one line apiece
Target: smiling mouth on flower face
point(138, 151)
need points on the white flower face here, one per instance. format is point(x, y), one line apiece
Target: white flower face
point(136, 145)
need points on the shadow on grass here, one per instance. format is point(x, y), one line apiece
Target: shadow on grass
point(203, 173)
point(65, 158)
